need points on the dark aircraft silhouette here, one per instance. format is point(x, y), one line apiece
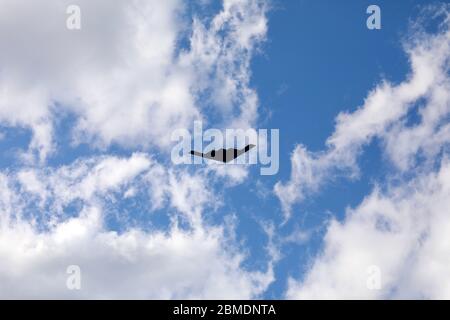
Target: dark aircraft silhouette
point(223, 155)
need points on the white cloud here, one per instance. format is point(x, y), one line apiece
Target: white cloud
point(197, 261)
point(84, 179)
point(125, 79)
point(404, 232)
point(123, 75)
point(383, 115)
point(220, 54)
point(134, 264)
point(402, 226)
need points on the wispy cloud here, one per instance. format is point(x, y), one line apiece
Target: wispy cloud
point(401, 227)
point(384, 116)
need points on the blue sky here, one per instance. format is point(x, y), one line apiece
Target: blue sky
point(320, 59)
point(86, 166)
point(324, 59)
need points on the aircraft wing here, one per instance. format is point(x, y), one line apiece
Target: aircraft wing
point(234, 153)
point(196, 153)
point(243, 150)
point(213, 155)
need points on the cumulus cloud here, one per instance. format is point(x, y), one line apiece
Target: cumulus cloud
point(124, 76)
point(197, 261)
point(402, 232)
point(134, 264)
point(399, 233)
point(134, 72)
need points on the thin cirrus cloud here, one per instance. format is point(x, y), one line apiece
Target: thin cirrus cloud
point(401, 228)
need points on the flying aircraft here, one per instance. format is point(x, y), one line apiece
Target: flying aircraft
point(223, 155)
